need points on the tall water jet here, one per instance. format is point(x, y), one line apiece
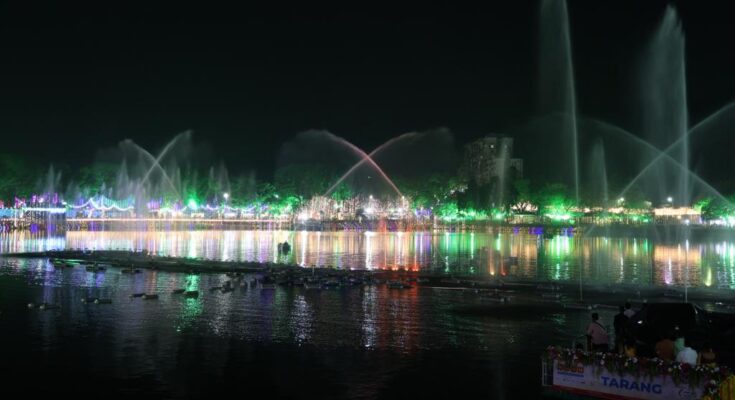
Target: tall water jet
point(664, 108)
point(52, 182)
point(597, 177)
point(503, 165)
point(557, 77)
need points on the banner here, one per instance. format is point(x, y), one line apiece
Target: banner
point(593, 380)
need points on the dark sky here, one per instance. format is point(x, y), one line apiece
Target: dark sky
point(78, 77)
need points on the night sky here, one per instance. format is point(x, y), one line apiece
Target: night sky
point(78, 77)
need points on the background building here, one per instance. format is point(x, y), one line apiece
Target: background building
point(488, 168)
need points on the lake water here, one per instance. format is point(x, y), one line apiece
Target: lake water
point(363, 342)
point(512, 255)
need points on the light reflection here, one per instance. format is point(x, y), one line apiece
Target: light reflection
point(523, 255)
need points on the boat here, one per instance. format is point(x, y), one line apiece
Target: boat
point(130, 270)
point(544, 286)
point(94, 268)
point(178, 291)
point(331, 284)
point(88, 300)
point(103, 301)
point(673, 293)
point(137, 295)
point(266, 283)
point(579, 373)
point(605, 306)
point(59, 263)
point(48, 306)
point(496, 298)
point(355, 281)
point(579, 306)
point(191, 294)
point(398, 285)
point(568, 373)
point(150, 297)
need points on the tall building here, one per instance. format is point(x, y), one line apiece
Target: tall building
point(490, 159)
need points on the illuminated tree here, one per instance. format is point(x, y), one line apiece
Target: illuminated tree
point(17, 177)
point(554, 199)
point(522, 196)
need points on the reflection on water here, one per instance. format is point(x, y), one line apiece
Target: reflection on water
point(509, 255)
point(363, 340)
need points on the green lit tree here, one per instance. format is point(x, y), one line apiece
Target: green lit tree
point(93, 178)
point(18, 177)
point(554, 198)
point(522, 196)
point(342, 192)
point(303, 180)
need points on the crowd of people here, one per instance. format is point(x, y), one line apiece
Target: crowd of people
point(671, 344)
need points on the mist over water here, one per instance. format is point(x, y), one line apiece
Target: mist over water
point(557, 87)
point(664, 109)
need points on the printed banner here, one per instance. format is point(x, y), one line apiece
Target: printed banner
point(586, 378)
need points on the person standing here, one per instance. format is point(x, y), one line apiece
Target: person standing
point(620, 323)
point(597, 335)
point(628, 311)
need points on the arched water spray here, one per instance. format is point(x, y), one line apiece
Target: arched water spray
point(364, 157)
point(696, 128)
point(369, 157)
point(164, 152)
point(154, 163)
point(670, 159)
